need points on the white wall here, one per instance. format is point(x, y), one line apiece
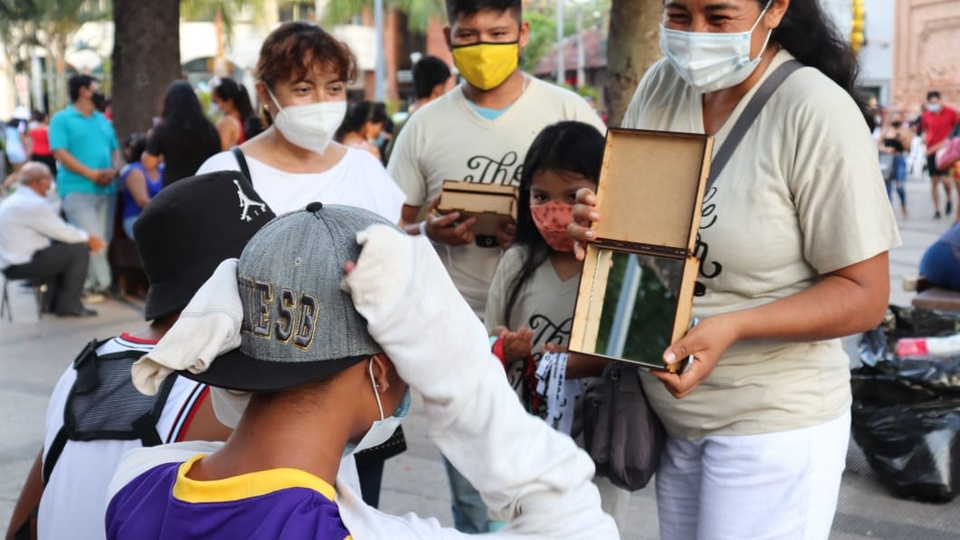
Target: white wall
point(876, 57)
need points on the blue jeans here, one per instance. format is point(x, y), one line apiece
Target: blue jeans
point(469, 510)
point(94, 214)
point(941, 265)
point(128, 226)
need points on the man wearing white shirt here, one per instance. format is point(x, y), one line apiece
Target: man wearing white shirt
point(36, 243)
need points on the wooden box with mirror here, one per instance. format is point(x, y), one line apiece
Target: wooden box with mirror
point(636, 287)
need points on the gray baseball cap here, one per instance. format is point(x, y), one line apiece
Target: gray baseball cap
point(298, 325)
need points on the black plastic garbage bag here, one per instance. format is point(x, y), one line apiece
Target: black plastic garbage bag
point(906, 411)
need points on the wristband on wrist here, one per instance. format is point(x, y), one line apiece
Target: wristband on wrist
point(423, 228)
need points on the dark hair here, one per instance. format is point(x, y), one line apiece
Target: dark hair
point(565, 147)
point(359, 114)
point(39, 116)
point(429, 72)
point(291, 51)
point(181, 108)
point(227, 89)
point(809, 35)
point(135, 146)
point(933, 94)
point(76, 83)
point(468, 8)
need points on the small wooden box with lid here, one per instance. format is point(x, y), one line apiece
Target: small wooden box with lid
point(639, 274)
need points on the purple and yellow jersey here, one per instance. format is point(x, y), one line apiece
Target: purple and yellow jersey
point(163, 503)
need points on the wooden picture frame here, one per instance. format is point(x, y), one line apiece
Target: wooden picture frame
point(636, 288)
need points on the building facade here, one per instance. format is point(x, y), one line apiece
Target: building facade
point(927, 38)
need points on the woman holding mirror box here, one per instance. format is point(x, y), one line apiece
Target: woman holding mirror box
point(793, 246)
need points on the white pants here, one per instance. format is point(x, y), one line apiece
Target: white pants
point(770, 486)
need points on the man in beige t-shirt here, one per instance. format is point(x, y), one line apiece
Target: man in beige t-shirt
point(476, 135)
point(479, 132)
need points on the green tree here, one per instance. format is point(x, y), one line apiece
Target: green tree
point(50, 24)
point(543, 39)
point(419, 12)
point(224, 16)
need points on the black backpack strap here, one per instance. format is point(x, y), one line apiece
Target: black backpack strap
point(145, 427)
point(242, 161)
point(87, 366)
point(53, 454)
point(746, 119)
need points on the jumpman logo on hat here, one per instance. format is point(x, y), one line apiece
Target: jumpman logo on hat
point(247, 204)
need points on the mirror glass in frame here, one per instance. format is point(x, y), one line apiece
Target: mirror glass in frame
point(638, 306)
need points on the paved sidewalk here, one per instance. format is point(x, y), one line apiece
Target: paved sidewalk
point(34, 353)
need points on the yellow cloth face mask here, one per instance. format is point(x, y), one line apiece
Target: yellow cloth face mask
point(487, 65)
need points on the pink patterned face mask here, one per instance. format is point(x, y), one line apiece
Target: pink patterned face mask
point(552, 220)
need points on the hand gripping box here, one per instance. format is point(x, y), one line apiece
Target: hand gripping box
point(493, 205)
point(637, 284)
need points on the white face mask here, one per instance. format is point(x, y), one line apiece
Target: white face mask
point(310, 126)
point(382, 429)
point(711, 61)
point(214, 109)
point(228, 405)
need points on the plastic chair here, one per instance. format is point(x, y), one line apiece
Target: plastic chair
point(38, 288)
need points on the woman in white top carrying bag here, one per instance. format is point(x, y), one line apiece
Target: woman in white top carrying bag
point(302, 75)
point(793, 245)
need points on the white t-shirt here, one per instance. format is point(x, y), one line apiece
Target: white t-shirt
point(449, 140)
point(801, 196)
point(358, 179)
point(74, 500)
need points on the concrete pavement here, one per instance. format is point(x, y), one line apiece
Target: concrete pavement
point(33, 354)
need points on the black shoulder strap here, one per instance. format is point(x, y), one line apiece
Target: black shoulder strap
point(753, 108)
point(86, 364)
point(242, 161)
point(53, 454)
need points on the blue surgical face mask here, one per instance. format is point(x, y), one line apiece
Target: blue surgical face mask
point(382, 429)
point(711, 61)
point(933, 107)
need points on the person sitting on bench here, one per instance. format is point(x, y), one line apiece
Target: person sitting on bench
point(36, 243)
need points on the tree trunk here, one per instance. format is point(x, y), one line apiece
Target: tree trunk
point(146, 59)
point(632, 47)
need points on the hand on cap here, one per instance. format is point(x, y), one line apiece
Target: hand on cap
point(401, 288)
point(584, 213)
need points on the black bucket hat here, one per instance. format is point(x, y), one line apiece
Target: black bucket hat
point(188, 229)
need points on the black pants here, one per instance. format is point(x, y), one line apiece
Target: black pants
point(64, 268)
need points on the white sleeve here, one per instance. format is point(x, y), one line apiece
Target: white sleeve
point(514, 459)
point(42, 219)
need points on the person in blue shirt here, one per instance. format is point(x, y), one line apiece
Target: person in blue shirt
point(85, 145)
point(139, 181)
